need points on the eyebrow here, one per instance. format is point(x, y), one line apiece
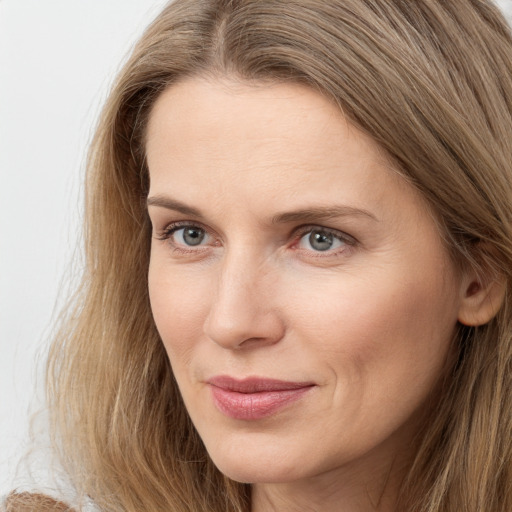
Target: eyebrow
point(315, 214)
point(172, 204)
point(322, 213)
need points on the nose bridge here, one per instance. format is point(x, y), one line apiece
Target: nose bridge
point(241, 310)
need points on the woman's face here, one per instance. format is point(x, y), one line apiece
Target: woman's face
point(299, 284)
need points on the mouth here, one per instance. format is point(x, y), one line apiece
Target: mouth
point(254, 398)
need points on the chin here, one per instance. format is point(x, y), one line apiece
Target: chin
point(249, 472)
point(267, 463)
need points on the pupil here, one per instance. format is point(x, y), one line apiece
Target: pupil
point(193, 236)
point(320, 240)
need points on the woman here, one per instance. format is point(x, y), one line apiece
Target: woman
point(299, 253)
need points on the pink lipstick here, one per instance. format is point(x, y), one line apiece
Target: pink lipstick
point(254, 398)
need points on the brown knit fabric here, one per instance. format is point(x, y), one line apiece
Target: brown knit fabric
point(28, 502)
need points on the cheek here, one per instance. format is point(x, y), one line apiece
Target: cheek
point(384, 342)
point(380, 331)
point(179, 303)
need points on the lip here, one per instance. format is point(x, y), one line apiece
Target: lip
point(254, 398)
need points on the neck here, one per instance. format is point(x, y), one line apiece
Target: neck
point(321, 497)
point(358, 488)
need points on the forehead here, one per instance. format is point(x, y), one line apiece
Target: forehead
point(232, 121)
point(219, 141)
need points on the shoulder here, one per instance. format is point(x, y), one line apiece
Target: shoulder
point(31, 502)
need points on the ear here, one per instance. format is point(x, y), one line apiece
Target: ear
point(482, 294)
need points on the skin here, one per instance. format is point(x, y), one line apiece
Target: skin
point(368, 322)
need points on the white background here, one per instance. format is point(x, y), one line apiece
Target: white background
point(57, 60)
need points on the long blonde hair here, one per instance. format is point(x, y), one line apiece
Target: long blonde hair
point(431, 82)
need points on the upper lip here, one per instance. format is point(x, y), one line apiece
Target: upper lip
point(255, 384)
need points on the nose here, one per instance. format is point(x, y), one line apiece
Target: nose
point(243, 312)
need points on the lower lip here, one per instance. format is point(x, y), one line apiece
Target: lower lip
point(254, 406)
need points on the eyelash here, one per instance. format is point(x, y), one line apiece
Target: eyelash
point(348, 240)
point(168, 232)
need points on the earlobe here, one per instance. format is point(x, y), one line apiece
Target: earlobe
point(481, 299)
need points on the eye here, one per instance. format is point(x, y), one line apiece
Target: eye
point(184, 236)
point(322, 240)
point(190, 235)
